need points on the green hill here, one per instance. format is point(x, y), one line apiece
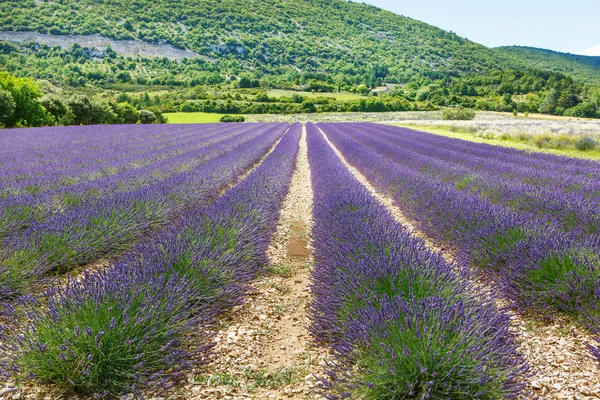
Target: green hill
point(272, 36)
point(583, 68)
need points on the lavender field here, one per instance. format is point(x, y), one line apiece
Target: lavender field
point(129, 253)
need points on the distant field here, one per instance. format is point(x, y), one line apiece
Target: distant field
point(192, 118)
point(541, 116)
point(511, 141)
point(344, 96)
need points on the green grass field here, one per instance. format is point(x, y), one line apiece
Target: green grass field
point(192, 118)
point(590, 155)
point(344, 96)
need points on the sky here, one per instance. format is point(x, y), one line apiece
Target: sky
point(570, 26)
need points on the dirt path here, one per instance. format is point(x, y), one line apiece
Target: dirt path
point(557, 353)
point(264, 350)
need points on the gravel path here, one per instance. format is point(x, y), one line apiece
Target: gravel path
point(558, 353)
point(264, 350)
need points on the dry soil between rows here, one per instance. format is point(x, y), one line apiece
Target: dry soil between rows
point(264, 349)
point(563, 368)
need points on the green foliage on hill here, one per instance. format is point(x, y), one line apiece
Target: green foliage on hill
point(276, 37)
point(582, 68)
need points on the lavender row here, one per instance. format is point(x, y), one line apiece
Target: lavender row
point(574, 210)
point(18, 212)
point(104, 228)
point(33, 171)
point(30, 152)
point(537, 265)
point(117, 331)
point(517, 162)
point(401, 322)
point(543, 174)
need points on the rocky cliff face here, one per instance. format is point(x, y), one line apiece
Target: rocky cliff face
point(96, 45)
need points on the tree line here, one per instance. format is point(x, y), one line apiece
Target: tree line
point(22, 104)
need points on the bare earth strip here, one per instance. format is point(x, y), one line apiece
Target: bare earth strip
point(264, 350)
point(558, 353)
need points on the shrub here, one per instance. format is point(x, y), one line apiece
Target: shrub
point(308, 107)
point(147, 117)
point(236, 118)
point(458, 114)
point(102, 336)
point(403, 323)
point(586, 144)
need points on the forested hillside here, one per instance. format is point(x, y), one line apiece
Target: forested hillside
point(583, 68)
point(280, 37)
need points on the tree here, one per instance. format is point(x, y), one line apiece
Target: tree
point(582, 110)
point(160, 119)
point(27, 110)
point(110, 53)
point(147, 117)
point(550, 103)
point(568, 97)
point(235, 118)
point(87, 112)
point(55, 107)
point(308, 107)
point(245, 82)
point(7, 106)
point(126, 113)
point(82, 109)
point(363, 89)
point(103, 113)
point(262, 97)
point(128, 25)
point(124, 77)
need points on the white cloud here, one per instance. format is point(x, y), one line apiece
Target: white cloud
point(593, 51)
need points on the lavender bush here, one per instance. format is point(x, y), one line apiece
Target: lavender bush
point(401, 322)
